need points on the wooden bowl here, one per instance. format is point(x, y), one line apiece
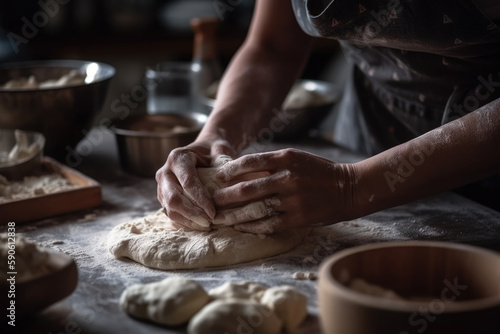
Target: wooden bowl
point(445, 288)
point(36, 293)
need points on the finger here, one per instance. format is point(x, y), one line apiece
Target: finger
point(246, 213)
point(180, 221)
point(264, 226)
point(253, 190)
point(181, 204)
point(189, 181)
point(251, 163)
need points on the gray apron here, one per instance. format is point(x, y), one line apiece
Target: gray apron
point(417, 65)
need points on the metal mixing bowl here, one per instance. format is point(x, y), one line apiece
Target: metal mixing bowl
point(298, 120)
point(64, 114)
point(144, 142)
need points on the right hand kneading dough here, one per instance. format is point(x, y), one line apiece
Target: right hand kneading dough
point(172, 301)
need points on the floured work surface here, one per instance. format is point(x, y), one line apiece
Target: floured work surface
point(53, 189)
point(93, 307)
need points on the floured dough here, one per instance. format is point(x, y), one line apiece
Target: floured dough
point(235, 316)
point(242, 290)
point(288, 303)
point(154, 242)
point(172, 301)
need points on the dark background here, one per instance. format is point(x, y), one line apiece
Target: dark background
point(132, 34)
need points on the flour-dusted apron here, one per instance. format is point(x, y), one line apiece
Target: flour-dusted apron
point(418, 64)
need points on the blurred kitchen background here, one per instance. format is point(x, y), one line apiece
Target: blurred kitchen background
point(133, 34)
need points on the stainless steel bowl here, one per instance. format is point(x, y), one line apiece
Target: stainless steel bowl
point(15, 170)
point(298, 121)
point(144, 142)
point(63, 114)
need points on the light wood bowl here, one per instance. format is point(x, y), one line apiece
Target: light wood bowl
point(446, 288)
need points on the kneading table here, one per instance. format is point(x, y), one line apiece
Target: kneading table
point(93, 306)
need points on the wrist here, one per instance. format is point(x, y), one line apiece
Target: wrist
point(348, 187)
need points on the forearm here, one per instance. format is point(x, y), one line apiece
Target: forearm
point(259, 76)
point(455, 154)
point(253, 88)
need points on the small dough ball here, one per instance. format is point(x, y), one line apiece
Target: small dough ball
point(300, 275)
point(235, 316)
point(288, 303)
point(242, 290)
point(172, 301)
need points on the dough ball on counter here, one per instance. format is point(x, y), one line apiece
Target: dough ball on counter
point(288, 303)
point(172, 301)
point(235, 316)
point(242, 290)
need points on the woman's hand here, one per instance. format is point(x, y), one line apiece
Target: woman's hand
point(302, 189)
point(180, 192)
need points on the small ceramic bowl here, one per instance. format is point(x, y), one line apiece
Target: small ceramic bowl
point(410, 287)
point(144, 142)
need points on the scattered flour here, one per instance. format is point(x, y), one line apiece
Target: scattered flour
point(32, 186)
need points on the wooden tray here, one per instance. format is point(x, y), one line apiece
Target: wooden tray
point(86, 195)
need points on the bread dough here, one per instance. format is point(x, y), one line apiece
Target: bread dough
point(301, 97)
point(301, 275)
point(172, 301)
point(242, 290)
point(288, 303)
point(235, 316)
point(154, 242)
